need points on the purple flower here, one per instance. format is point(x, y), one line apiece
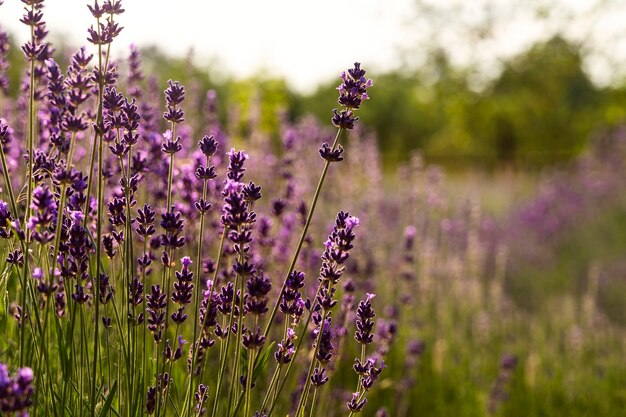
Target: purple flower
point(151, 400)
point(352, 92)
point(326, 348)
point(156, 302)
point(183, 288)
point(174, 96)
point(236, 160)
point(364, 322)
point(208, 145)
point(16, 392)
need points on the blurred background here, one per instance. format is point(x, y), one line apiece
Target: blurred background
point(487, 83)
point(507, 119)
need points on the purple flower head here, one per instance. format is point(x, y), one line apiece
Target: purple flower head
point(156, 302)
point(232, 187)
point(183, 288)
point(16, 392)
point(364, 323)
point(326, 348)
point(172, 223)
point(291, 303)
point(96, 10)
point(258, 287)
point(6, 132)
point(331, 155)
point(319, 377)
point(179, 350)
point(352, 92)
point(151, 400)
point(352, 222)
point(236, 161)
point(508, 362)
point(291, 333)
point(5, 220)
point(43, 199)
point(357, 402)
point(344, 119)
point(146, 218)
point(44, 212)
point(337, 248)
point(208, 145)
point(37, 273)
point(252, 192)
point(171, 146)
point(175, 93)
point(77, 216)
point(113, 7)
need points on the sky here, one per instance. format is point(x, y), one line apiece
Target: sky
point(310, 42)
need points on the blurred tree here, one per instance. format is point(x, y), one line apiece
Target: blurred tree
point(541, 108)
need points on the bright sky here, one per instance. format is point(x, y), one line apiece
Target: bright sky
point(308, 42)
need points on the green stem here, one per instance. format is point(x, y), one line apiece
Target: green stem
point(307, 383)
point(314, 402)
point(195, 341)
point(29, 196)
point(307, 223)
point(237, 359)
point(100, 178)
point(166, 275)
point(224, 360)
point(298, 345)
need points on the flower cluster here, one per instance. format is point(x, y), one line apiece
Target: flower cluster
point(16, 391)
point(352, 92)
point(364, 322)
point(368, 372)
point(104, 164)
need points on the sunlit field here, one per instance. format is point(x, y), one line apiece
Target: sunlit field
point(167, 253)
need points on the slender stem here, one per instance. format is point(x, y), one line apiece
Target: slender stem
point(145, 324)
point(249, 372)
point(100, 178)
point(314, 402)
point(307, 223)
point(167, 273)
point(236, 360)
point(29, 196)
point(273, 381)
point(307, 383)
point(98, 271)
point(228, 338)
point(195, 341)
point(296, 254)
point(298, 345)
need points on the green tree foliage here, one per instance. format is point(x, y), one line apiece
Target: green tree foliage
point(541, 108)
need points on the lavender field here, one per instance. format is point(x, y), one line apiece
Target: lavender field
point(165, 253)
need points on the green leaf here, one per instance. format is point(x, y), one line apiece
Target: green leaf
point(107, 404)
point(4, 280)
point(262, 361)
point(63, 355)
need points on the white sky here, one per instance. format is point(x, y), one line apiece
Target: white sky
point(308, 42)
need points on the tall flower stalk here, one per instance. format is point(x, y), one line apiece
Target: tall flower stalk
point(102, 309)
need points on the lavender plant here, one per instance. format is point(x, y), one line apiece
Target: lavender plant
point(103, 309)
point(151, 266)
